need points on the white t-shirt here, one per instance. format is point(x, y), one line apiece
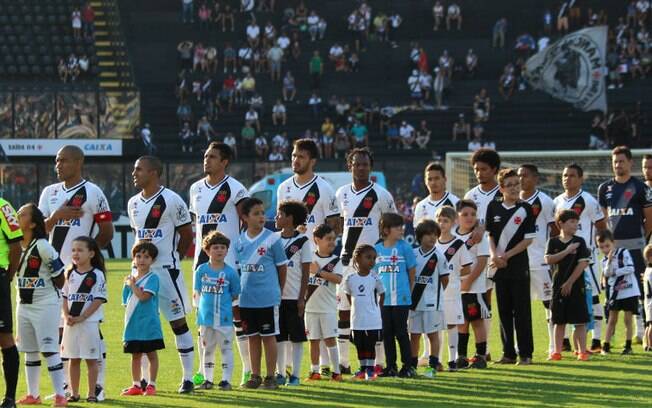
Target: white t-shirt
point(589, 211)
point(39, 264)
point(253, 31)
point(278, 108)
point(336, 51)
point(298, 251)
point(365, 310)
point(322, 294)
point(543, 209)
point(479, 285)
point(426, 208)
point(474, 145)
point(427, 288)
point(482, 199)
point(406, 131)
point(457, 257)
point(313, 20)
point(283, 42)
point(156, 219)
point(251, 115)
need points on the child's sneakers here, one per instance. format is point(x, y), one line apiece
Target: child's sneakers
point(253, 382)
point(150, 390)
point(269, 383)
point(583, 356)
point(372, 373)
point(345, 370)
point(430, 372)
point(29, 400)
point(246, 376)
point(627, 351)
point(293, 381)
point(554, 357)
point(337, 377)
point(378, 370)
point(224, 386)
point(360, 375)
point(314, 376)
point(60, 401)
point(133, 390)
point(280, 379)
point(462, 363)
point(326, 371)
point(206, 385)
point(595, 346)
point(606, 348)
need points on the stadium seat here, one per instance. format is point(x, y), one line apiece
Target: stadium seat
point(23, 69)
point(36, 70)
point(12, 70)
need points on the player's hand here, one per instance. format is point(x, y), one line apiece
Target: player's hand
point(466, 285)
point(572, 248)
point(70, 320)
point(301, 307)
point(314, 268)
point(566, 288)
point(67, 212)
point(476, 235)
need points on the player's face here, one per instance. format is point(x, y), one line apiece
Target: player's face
point(143, 261)
point(621, 165)
point(282, 220)
point(647, 169)
point(395, 233)
point(445, 224)
point(360, 167)
point(484, 173)
point(301, 161)
point(213, 162)
point(606, 247)
point(511, 188)
point(142, 174)
point(326, 244)
point(66, 165)
point(366, 260)
point(467, 218)
point(528, 179)
point(435, 181)
point(25, 218)
point(569, 227)
point(217, 252)
point(256, 217)
point(571, 180)
point(428, 240)
point(81, 254)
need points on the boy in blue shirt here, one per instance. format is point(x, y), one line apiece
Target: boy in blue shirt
point(395, 265)
point(217, 285)
point(263, 266)
point(142, 333)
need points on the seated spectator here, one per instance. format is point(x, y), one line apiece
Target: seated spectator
point(245, 57)
point(439, 86)
point(336, 53)
point(283, 41)
point(471, 64)
point(185, 54)
point(437, 15)
point(253, 34)
point(354, 62)
point(148, 140)
point(314, 136)
point(342, 110)
point(256, 102)
point(229, 140)
point(279, 115)
point(275, 60)
point(454, 15)
point(269, 34)
point(262, 148)
point(184, 113)
point(342, 143)
point(301, 13)
point(204, 15)
point(251, 117)
point(327, 139)
point(62, 70)
point(478, 131)
point(248, 86)
point(423, 136)
point(247, 135)
point(187, 138)
point(482, 106)
point(461, 128)
point(393, 137)
point(380, 26)
point(280, 141)
point(316, 26)
point(205, 130)
point(474, 144)
point(489, 144)
point(406, 133)
point(230, 61)
point(598, 134)
point(289, 88)
point(507, 83)
point(73, 67)
point(276, 155)
point(315, 104)
point(211, 60)
point(360, 134)
point(499, 30)
point(76, 21)
point(525, 45)
point(199, 55)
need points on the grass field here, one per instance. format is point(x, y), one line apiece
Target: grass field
point(602, 382)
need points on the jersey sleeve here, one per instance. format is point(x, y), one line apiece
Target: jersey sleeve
point(43, 203)
point(9, 223)
point(380, 288)
point(596, 211)
point(191, 199)
point(583, 253)
point(306, 252)
point(483, 246)
point(442, 265)
point(549, 211)
point(338, 269)
point(181, 214)
point(625, 264)
point(465, 256)
point(645, 196)
point(197, 278)
point(346, 288)
point(329, 202)
point(241, 194)
point(388, 203)
point(489, 220)
point(278, 253)
point(126, 291)
point(234, 282)
point(602, 200)
point(410, 259)
point(101, 210)
point(99, 289)
point(530, 229)
point(51, 258)
point(550, 246)
point(152, 285)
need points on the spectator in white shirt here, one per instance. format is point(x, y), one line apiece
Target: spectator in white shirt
point(315, 104)
point(229, 140)
point(275, 61)
point(262, 148)
point(454, 15)
point(276, 155)
point(314, 27)
point(253, 34)
point(437, 15)
point(474, 144)
point(423, 135)
point(245, 56)
point(251, 118)
point(283, 41)
point(280, 141)
point(406, 133)
point(279, 115)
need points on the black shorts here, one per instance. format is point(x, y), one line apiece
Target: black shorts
point(290, 325)
point(6, 315)
point(365, 342)
point(571, 309)
point(259, 321)
point(629, 304)
point(142, 346)
point(476, 306)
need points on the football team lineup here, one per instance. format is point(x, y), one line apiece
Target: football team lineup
point(555, 289)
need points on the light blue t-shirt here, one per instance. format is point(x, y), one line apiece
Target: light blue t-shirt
point(142, 320)
point(392, 266)
point(216, 288)
point(258, 258)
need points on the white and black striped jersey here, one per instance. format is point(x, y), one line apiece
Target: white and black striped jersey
point(426, 208)
point(428, 291)
point(81, 289)
point(215, 208)
point(621, 276)
point(316, 194)
point(457, 257)
point(322, 294)
point(39, 264)
point(298, 251)
point(476, 250)
point(84, 195)
point(543, 211)
point(589, 211)
point(361, 211)
point(156, 219)
point(482, 199)
point(508, 226)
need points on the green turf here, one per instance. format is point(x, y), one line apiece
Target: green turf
point(603, 381)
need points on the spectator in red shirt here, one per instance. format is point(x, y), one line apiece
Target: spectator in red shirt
point(88, 21)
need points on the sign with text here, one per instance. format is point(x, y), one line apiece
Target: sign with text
point(49, 147)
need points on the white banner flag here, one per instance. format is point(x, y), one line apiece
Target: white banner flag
point(573, 69)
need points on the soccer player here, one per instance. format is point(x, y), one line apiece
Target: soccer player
point(84, 295)
point(510, 224)
point(647, 169)
point(216, 286)
point(10, 252)
point(321, 301)
point(627, 205)
point(142, 332)
point(263, 268)
point(157, 214)
point(39, 279)
point(435, 179)
point(426, 314)
point(619, 271)
point(474, 289)
point(395, 265)
point(569, 257)
point(215, 203)
point(298, 250)
point(75, 207)
point(459, 261)
point(591, 220)
point(543, 211)
point(362, 202)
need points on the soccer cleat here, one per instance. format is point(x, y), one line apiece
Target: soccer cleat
point(60, 401)
point(378, 369)
point(280, 380)
point(387, 372)
point(407, 372)
point(479, 362)
point(360, 375)
point(253, 382)
point(186, 387)
point(293, 381)
point(72, 398)
point(606, 348)
point(462, 363)
point(326, 371)
point(583, 356)
point(314, 376)
point(246, 376)
point(440, 367)
point(269, 383)
point(554, 357)
point(524, 361)
point(345, 370)
point(224, 386)
point(372, 374)
point(150, 390)
point(566, 346)
point(430, 372)
point(29, 400)
point(8, 403)
point(133, 390)
point(92, 399)
point(627, 351)
point(452, 367)
point(99, 392)
point(198, 379)
point(206, 385)
point(506, 360)
point(595, 346)
point(337, 377)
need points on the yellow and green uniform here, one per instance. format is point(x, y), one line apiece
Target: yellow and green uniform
point(10, 231)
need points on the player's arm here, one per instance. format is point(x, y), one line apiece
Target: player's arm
point(444, 281)
point(14, 258)
point(518, 248)
point(412, 273)
point(59, 281)
point(64, 212)
point(647, 214)
point(303, 288)
point(282, 273)
point(105, 234)
point(465, 270)
point(185, 239)
point(95, 304)
point(480, 265)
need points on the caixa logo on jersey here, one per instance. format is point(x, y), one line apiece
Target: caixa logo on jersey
point(30, 283)
point(617, 212)
point(359, 222)
point(216, 218)
point(424, 280)
point(149, 233)
point(252, 268)
point(69, 223)
point(80, 297)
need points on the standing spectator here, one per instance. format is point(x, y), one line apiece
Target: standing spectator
point(148, 140)
point(88, 21)
point(316, 69)
point(76, 21)
point(482, 106)
point(262, 148)
point(393, 137)
point(414, 84)
point(360, 134)
point(380, 25)
point(84, 65)
point(253, 34)
point(439, 84)
point(279, 115)
point(187, 11)
point(227, 16)
point(251, 117)
point(395, 21)
point(598, 134)
point(471, 64)
point(187, 137)
point(525, 44)
point(313, 26)
point(275, 59)
point(205, 130)
point(230, 58)
point(437, 14)
point(454, 15)
point(423, 135)
point(230, 141)
point(342, 143)
point(499, 31)
point(406, 133)
point(507, 83)
point(327, 133)
point(247, 135)
point(289, 88)
point(315, 104)
point(547, 22)
point(204, 15)
point(461, 128)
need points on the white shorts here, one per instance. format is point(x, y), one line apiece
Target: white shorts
point(173, 299)
point(426, 321)
point(540, 284)
point(647, 294)
point(594, 277)
point(343, 304)
point(82, 340)
point(320, 325)
point(37, 330)
point(453, 311)
point(212, 337)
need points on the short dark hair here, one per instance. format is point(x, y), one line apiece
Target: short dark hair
point(622, 150)
point(647, 156)
point(462, 204)
point(359, 150)
point(307, 145)
point(434, 166)
point(426, 227)
point(446, 211)
point(38, 219)
point(565, 215)
point(154, 163)
point(295, 209)
point(359, 250)
point(322, 230)
point(577, 168)
point(604, 235)
point(390, 220)
point(505, 174)
point(214, 238)
point(144, 246)
point(249, 203)
point(226, 153)
point(487, 156)
point(531, 168)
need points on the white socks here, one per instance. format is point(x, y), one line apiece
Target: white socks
point(144, 368)
point(551, 331)
point(33, 373)
point(487, 326)
point(334, 358)
point(323, 354)
point(186, 351)
point(598, 317)
point(226, 349)
point(282, 348)
point(343, 346)
point(297, 356)
point(380, 354)
point(243, 348)
point(200, 352)
point(55, 369)
point(208, 359)
point(452, 345)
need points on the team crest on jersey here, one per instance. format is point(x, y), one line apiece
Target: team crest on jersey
point(311, 199)
point(77, 200)
point(89, 282)
point(34, 262)
point(431, 264)
point(221, 197)
point(578, 208)
point(261, 251)
point(518, 220)
point(361, 288)
point(359, 222)
point(536, 209)
point(367, 203)
point(628, 194)
point(10, 217)
point(451, 251)
point(175, 306)
point(156, 211)
point(212, 218)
